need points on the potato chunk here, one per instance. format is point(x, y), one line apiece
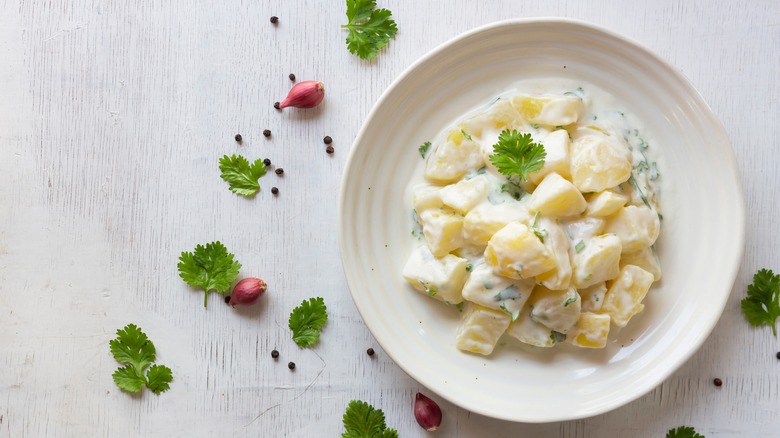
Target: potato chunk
point(480, 329)
point(556, 145)
point(597, 261)
point(637, 227)
point(591, 331)
point(624, 297)
point(557, 310)
point(605, 203)
point(527, 331)
point(557, 242)
point(427, 197)
point(496, 292)
point(644, 258)
point(452, 157)
point(593, 297)
point(440, 278)
point(557, 197)
point(549, 109)
point(481, 223)
point(465, 194)
point(596, 165)
point(515, 252)
point(441, 230)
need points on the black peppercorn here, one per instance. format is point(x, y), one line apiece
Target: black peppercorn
point(274, 354)
point(267, 162)
point(279, 171)
point(274, 19)
point(778, 354)
point(292, 77)
point(327, 140)
point(370, 352)
point(267, 132)
point(274, 190)
point(291, 365)
point(277, 105)
point(238, 138)
point(329, 150)
point(227, 299)
point(717, 382)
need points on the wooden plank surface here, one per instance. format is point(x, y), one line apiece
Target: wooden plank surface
point(112, 117)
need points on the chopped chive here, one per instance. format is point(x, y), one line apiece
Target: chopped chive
point(579, 246)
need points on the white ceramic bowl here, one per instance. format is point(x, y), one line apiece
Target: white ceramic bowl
point(700, 247)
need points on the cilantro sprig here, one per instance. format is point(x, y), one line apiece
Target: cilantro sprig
point(516, 154)
point(242, 176)
point(361, 420)
point(370, 29)
point(209, 267)
point(683, 432)
point(307, 320)
point(762, 305)
point(423, 149)
point(134, 349)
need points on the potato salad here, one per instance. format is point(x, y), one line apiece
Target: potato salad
point(536, 217)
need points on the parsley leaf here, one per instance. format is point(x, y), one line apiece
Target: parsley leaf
point(361, 420)
point(517, 154)
point(307, 320)
point(210, 267)
point(683, 432)
point(424, 148)
point(241, 175)
point(134, 349)
point(370, 29)
point(762, 305)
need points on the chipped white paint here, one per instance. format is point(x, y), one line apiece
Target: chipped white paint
point(112, 118)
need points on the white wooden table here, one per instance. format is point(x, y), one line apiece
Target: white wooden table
point(113, 115)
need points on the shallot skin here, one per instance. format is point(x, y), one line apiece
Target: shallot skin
point(247, 291)
point(306, 94)
point(427, 413)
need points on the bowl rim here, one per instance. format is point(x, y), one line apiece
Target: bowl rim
point(739, 215)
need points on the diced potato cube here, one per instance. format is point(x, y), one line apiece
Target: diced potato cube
point(597, 261)
point(499, 116)
point(597, 165)
point(452, 157)
point(481, 223)
point(556, 145)
point(624, 297)
point(637, 227)
point(591, 331)
point(605, 203)
point(515, 252)
point(551, 110)
point(557, 197)
point(644, 258)
point(427, 198)
point(585, 228)
point(465, 194)
point(557, 242)
point(593, 297)
point(480, 329)
point(441, 230)
point(489, 290)
point(441, 278)
point(527, 331)
point(558, 310)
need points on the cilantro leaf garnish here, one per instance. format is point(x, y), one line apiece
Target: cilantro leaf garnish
point(307, 320)
point(361, 420)
point(210, 267)
point(683, 432)
point(134, 349)
point(762, 305)
point(241, 175)
point(424, 148)
point(370, 29)
point(517, 154)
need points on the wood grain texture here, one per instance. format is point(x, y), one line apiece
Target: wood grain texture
point(112, 118)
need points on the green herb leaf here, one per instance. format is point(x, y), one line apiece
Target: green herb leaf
point(541, 233)
point(579, 246)
point(159, 378)
point(569, 301)
point(683, 432)
point(762, 305)
point(424, 148)
point(557, 337)
point(361, 420)
point(210, 267)
point(241, 176)
point(466, 135)
point(370, 29)
point(517, 154)
point(307, 320)
point(134, 349)
point(469, 267)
